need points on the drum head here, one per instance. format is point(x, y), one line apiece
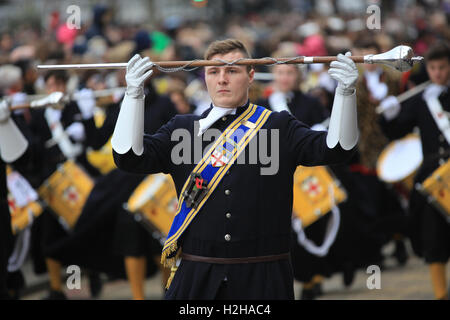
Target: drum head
point(400, 159)
point(145, 191)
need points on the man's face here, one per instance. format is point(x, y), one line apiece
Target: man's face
point(228, 85)
point(286, 77)
point(53, 86)
point(439, 71)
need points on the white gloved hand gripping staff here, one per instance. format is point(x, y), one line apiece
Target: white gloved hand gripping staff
point(129, 131)
point(343, 126)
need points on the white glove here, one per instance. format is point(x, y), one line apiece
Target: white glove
point(76, 131)
point(343, 128)
point(53, 99)
point(390, 107)
point(4, 111)
point(18, 99)
point(138, 70)
point(344, 71)
point(86, 102)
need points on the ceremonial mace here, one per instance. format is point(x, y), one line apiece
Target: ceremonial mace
point(400, 58)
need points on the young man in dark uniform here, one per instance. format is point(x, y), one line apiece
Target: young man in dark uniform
point(429, 230)
point(49, 149)
point(106, 233)
point(232, 228)
point(12, 146)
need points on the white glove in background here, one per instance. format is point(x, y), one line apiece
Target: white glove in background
point(4, 111)
point(86, 102)
point(53, 99)
point(76, 131)
point(390, 107)
point(378, 89)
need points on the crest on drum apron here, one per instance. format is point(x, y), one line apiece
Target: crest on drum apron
point(311, 186)
point(70, 194)
point(11, 204)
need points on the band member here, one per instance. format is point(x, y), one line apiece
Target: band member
point(380, 202)
point(107, 237)
point(232, 228)
point(429, 231)
point(12, 147)
point(55, 136)
point(286, 95)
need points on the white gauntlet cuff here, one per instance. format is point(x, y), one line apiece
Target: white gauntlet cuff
point(343, 126)
point(12, 143)
point(129, 131)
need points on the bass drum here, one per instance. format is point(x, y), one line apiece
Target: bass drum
point(400, 160)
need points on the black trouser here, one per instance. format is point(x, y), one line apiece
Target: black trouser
point(6, 242)
point(222, 292)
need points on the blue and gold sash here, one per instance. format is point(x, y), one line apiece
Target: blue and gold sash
point(208, 175)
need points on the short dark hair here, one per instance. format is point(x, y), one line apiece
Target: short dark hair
point(367, 43)
point(60, 76)
point(438, 51)
point(226, 46)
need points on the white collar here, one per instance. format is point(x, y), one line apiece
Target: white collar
point(215, 114)
point(433, 91)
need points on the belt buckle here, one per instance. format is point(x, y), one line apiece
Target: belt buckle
point(196, 190)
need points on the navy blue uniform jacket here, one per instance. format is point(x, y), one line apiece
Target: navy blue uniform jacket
point(255, 213)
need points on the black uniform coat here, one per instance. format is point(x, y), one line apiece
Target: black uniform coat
point(260, 208)
point(430, 234)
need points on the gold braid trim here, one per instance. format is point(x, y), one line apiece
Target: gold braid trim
point(172, 275)
point(168, 261)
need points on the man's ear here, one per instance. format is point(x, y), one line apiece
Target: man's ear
point(251, 75)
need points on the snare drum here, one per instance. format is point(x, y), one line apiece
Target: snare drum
point(22, 201)
point(316, 191)
point(400, 160)
point(155, 202)
point(437, 189)
point(66, 192)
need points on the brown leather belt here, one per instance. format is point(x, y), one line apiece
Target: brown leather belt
point(275, 257)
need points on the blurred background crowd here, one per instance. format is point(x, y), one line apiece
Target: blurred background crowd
point(36, 32)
